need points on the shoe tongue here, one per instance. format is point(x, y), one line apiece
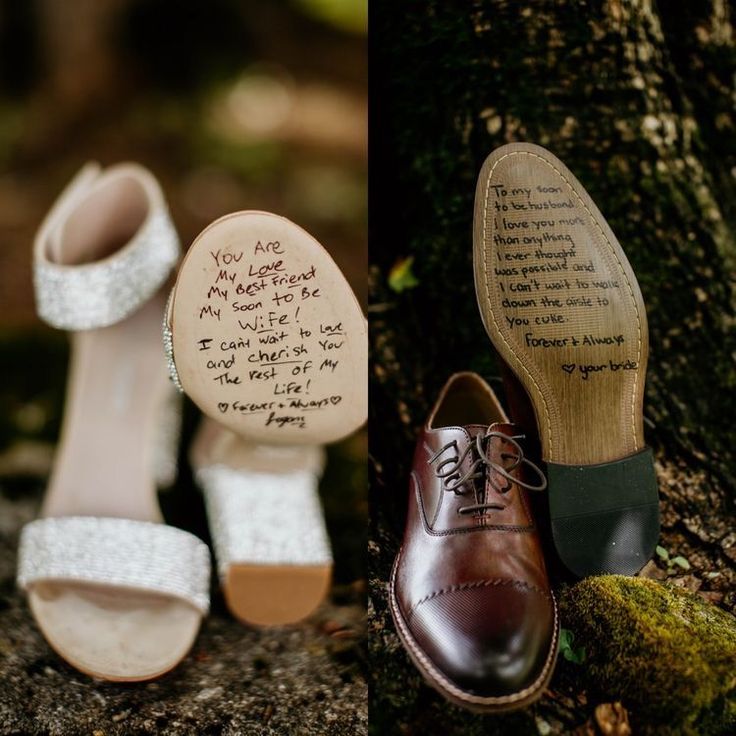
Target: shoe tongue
point(492, 449)
point(494, 446)
point(504, 427)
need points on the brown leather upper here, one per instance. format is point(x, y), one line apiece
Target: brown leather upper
point(470, 583)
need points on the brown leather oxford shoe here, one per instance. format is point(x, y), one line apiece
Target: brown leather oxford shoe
point(469, 592)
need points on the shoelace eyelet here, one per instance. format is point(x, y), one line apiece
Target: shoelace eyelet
point(480, 466)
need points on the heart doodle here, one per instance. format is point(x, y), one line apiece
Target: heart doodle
point(222, 406)
point(335, 400)
point(568, 367)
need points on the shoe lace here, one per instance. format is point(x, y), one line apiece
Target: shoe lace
point(448, 469)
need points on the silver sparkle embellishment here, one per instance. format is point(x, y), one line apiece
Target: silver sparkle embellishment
point(264, 518)
point(104, 292)
point(116, 552)
point(168, 338)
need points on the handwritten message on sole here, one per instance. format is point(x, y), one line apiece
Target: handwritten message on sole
point(271, 334)
point(556, 293)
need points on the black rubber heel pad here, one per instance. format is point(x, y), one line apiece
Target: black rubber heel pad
point(605, 518)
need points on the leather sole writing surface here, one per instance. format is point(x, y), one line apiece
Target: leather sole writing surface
point(562, 307)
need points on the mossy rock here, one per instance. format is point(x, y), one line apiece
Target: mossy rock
point(667, 654)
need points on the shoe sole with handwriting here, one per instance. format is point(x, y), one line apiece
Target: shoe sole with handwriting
point(562, 307)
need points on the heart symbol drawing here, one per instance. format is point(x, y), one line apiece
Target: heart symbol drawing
point(222, 406)
point(568, 367)
point(335, 400)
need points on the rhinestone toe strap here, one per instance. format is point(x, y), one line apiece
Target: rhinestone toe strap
point(103, 292)
point(264, 518)
point(116, 552)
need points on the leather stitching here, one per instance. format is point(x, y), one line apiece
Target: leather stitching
point(440, 681)
point(441, 498)
point(490, 582)
point(450, 532)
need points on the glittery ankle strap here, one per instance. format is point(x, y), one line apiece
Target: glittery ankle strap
point(79, 284)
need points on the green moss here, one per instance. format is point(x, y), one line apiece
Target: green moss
point(668, 655)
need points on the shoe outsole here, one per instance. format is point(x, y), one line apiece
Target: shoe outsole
point(562, 307)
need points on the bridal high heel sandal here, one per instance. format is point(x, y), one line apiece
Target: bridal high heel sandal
point(116, 593)
point(264, 334)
